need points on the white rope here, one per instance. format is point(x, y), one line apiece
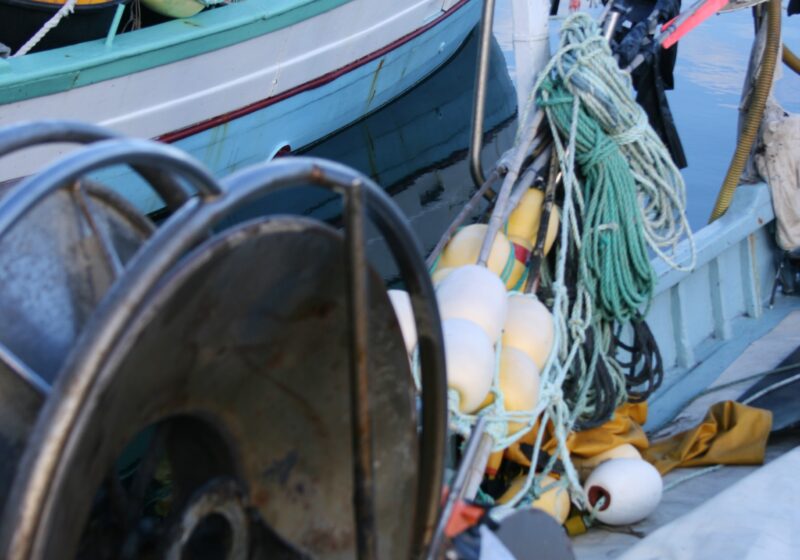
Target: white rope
point(589, 71)
point(64, 11)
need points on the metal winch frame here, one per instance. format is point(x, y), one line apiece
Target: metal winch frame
point(193, 241)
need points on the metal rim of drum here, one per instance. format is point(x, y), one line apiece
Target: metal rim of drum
point(111, 221)
point(24, 135)
point(29, 501)
point(86, 271)
point(206, 346)
point(23, 200)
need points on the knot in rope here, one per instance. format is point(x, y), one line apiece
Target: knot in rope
point(634, 133)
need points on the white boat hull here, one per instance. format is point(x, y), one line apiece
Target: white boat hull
point(241, 104)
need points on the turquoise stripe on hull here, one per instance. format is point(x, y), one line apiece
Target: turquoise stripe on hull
point(316, 113)
point(63, 69)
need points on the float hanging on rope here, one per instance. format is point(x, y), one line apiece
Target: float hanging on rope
point(644, 207)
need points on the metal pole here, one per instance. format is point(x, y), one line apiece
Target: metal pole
point(459, 486)
point(479, 97)
point(611, 24)
point(361, 419)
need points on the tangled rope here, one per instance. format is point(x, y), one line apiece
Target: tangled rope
point(585, 66)
point(616, 267)
point(621, 194)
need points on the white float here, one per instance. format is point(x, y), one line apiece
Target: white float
point(469, 360)
point(529, 327)
point(405, 317)
point(476, 294)
point(585, 465)
point(632, 488)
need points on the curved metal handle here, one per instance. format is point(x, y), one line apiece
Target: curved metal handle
point(183, 230)
point(29, 134)
point(102, 154)
point(479, 95)
point(407, 253)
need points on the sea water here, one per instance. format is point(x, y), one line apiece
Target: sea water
point(709, 74)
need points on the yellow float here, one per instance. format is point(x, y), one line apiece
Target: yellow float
point(440, 274)
point(585, 465)
point(554, 501)
point(465, 247)
point(523, 222)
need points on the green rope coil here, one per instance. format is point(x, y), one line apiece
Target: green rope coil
point(614, 261)
point(622, 196)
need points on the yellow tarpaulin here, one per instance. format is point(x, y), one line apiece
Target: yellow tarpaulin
point(624, 427)
point(730, 434)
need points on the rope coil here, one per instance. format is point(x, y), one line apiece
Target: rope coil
point(622, 196)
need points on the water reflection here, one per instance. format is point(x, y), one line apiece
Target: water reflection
point(416, 149)
point(427, 128)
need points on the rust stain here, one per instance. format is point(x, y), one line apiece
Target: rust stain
point(373, 162)
point(281, 469)
point(320, 309)
point(260, 498)
point(329, 540)
point(373, 87)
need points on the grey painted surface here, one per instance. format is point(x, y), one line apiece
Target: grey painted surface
point(705, 318)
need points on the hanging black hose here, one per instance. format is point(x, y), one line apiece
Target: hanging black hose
point(597, 386)
point(645, 367)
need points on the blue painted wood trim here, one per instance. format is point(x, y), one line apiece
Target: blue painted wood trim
point(750, 210)
point(86, 63)
point(735, 253)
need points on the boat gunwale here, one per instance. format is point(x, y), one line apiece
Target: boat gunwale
point(750, 211)
point(58, 70)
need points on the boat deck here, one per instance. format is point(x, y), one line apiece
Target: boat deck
point(672, 531)
point(683, 503)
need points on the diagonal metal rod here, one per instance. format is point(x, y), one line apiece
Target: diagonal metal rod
point(458, 487)
point(21, 370)
point(106, 246)
point(361, 416)
point(530, 130)
point(537, 256)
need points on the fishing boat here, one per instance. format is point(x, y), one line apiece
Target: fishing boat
point(232, 85)
point(720, 394)
point(410, 141)
point(226, 382)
